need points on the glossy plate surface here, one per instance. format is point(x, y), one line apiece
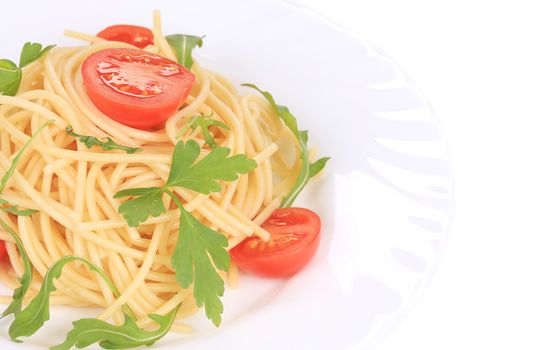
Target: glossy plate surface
point(386, 199)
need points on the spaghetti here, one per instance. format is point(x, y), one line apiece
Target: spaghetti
point(72, 187)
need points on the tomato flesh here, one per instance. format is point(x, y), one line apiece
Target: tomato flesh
point(294, 239)
point(136, 88)
point(2, 249)
point(134, 35)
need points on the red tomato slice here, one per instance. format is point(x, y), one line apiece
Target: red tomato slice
point(2, 249)
point(134, 35)
point(295, 235)
point(134, 87)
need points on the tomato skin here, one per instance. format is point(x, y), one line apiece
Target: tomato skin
point(136, 88)
point(295, 236)
point(134, 35)
point(2, 249)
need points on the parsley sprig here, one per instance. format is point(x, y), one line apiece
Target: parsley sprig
point(11, 74)
point(308, 169)
point(107, 145)
point(199, 250)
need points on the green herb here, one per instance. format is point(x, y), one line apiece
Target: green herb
point(13, 166)
point(30, 319)
point(11, 74)
point(307, 170)
point(24, 280)
point(318, 166)
point(107, 145)
point(203, 122)
point(183, 46)
point(202, 176)
point(196, 242)
point(149, 202)
point(12, 209)
point(89, 331)
point(32, 52)
point(10, 78)
point(304, 136)
point(4, 205)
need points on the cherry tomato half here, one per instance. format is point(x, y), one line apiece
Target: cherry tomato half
point(2, 249)
point(134, 87)
point(295, 235)
point(134, 35)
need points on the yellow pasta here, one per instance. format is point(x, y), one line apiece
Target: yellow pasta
point(73, 186)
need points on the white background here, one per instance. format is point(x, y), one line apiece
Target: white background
point(490, 70)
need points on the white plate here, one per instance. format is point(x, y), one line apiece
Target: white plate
point(386, 199)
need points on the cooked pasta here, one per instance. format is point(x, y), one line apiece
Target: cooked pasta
point(73, 187)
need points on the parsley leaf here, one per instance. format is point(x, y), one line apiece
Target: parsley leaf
point(24, 280)
point(89, 331)
point(203, 122)
point(199, 250)
point(183, 46)
point(107, 145)
point(10, 77)
point(32, 52)
point(307, 170)
point(196, 243)
point(148, 203)
point(202, 176)
point(33, 317)
point(11, 74)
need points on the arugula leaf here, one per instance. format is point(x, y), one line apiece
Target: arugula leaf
point(203, 122)
point(317, 166)
point(148, 203)
point(11, 74)
point(30, 319)
point(202, 176)
point(196, 243)
point(107, 145)
point(89, 331)
point(4, 205)
point(10, 77)
point(183, 46)
point(32, 52)
point(24, 280)
point(13, 166)
point(302, 136)
point(12, 209)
